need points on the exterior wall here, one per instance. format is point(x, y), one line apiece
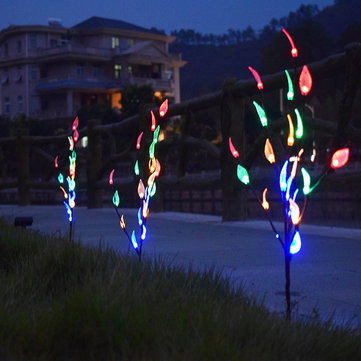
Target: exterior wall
point(38, 56)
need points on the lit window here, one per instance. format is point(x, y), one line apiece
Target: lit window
point(117, 71)
point(115, 42)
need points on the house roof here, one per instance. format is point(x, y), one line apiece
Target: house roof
point(96, 22)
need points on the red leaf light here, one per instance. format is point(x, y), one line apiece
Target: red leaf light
point(152, 128)
point(233, 149)
point(257, 78)
point(163, 108)
point(340, 158)
point(305, 81)
point(294, 51)
point(56, 162)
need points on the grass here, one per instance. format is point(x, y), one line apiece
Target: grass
point(61, 301)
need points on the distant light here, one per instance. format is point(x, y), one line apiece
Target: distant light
point(84, 142)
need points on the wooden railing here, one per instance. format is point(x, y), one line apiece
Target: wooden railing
point(108, 144)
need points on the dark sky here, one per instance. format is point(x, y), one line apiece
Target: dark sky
point(205, 16)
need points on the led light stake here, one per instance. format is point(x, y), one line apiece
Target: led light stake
point(144, 192)
point(70, 194)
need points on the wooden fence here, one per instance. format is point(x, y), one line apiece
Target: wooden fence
point(216, 191)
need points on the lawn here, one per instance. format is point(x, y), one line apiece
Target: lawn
point(62, 301)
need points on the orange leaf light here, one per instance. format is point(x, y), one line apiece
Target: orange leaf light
point(268, 152)
point(340, 158)
point(305, 81)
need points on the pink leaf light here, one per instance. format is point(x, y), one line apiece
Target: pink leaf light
point(340, 158)
point(294, 51)
point(139, 139)
point(56, 162)
point(305, 81)
point(75, 135)
point(257, 78)
point(233, 149)
point(163, 108)
point(75, 123)
point(111, 177)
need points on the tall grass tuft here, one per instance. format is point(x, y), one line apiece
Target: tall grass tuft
point(62, 301)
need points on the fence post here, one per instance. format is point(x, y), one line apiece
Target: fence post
point(22, 164)
point(93, 165)
point(182, 165)
point(234, 194)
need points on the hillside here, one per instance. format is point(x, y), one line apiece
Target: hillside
point(212, 59)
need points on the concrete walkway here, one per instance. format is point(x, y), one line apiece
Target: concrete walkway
point(325, 275)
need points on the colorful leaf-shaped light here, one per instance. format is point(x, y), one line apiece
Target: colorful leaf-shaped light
point(296, 243)
point(141, 189)
point(111, 176)
point(144, 232)
point(290, 92)
point(156, 135)
point(299, 129)
point(268, 152)
point(75, 124)
point(265, 204)
point(295, 212)
point(306, 181)
point(56, 162)
point(60, 178)
point(136, 168)
point(138, 140)
point(261, 114)
point(290, 138)
point(305, 81)
point(134, 241)
point(163, 108)
point(151, 150)
point(257, 78)
point(153, 125)
point(232, 148)
point(116, 199)
point(294, 51)
point(242, 174)
point(283, 175)
point(340, 158)
point(75, 135)
point(122, 223)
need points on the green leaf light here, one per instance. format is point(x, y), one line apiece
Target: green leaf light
point(306, 181)
point(151, 150)
point(136, 168)
point(290, 93)
point(242, 174)
point(261, 114)
point(156, 135)
point(299, 130)
point(60, 178)
point(116, 199)
point(153, 190)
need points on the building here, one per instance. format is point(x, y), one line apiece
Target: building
point(51, 71)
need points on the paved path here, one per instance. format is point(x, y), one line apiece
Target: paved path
point(325, 275)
